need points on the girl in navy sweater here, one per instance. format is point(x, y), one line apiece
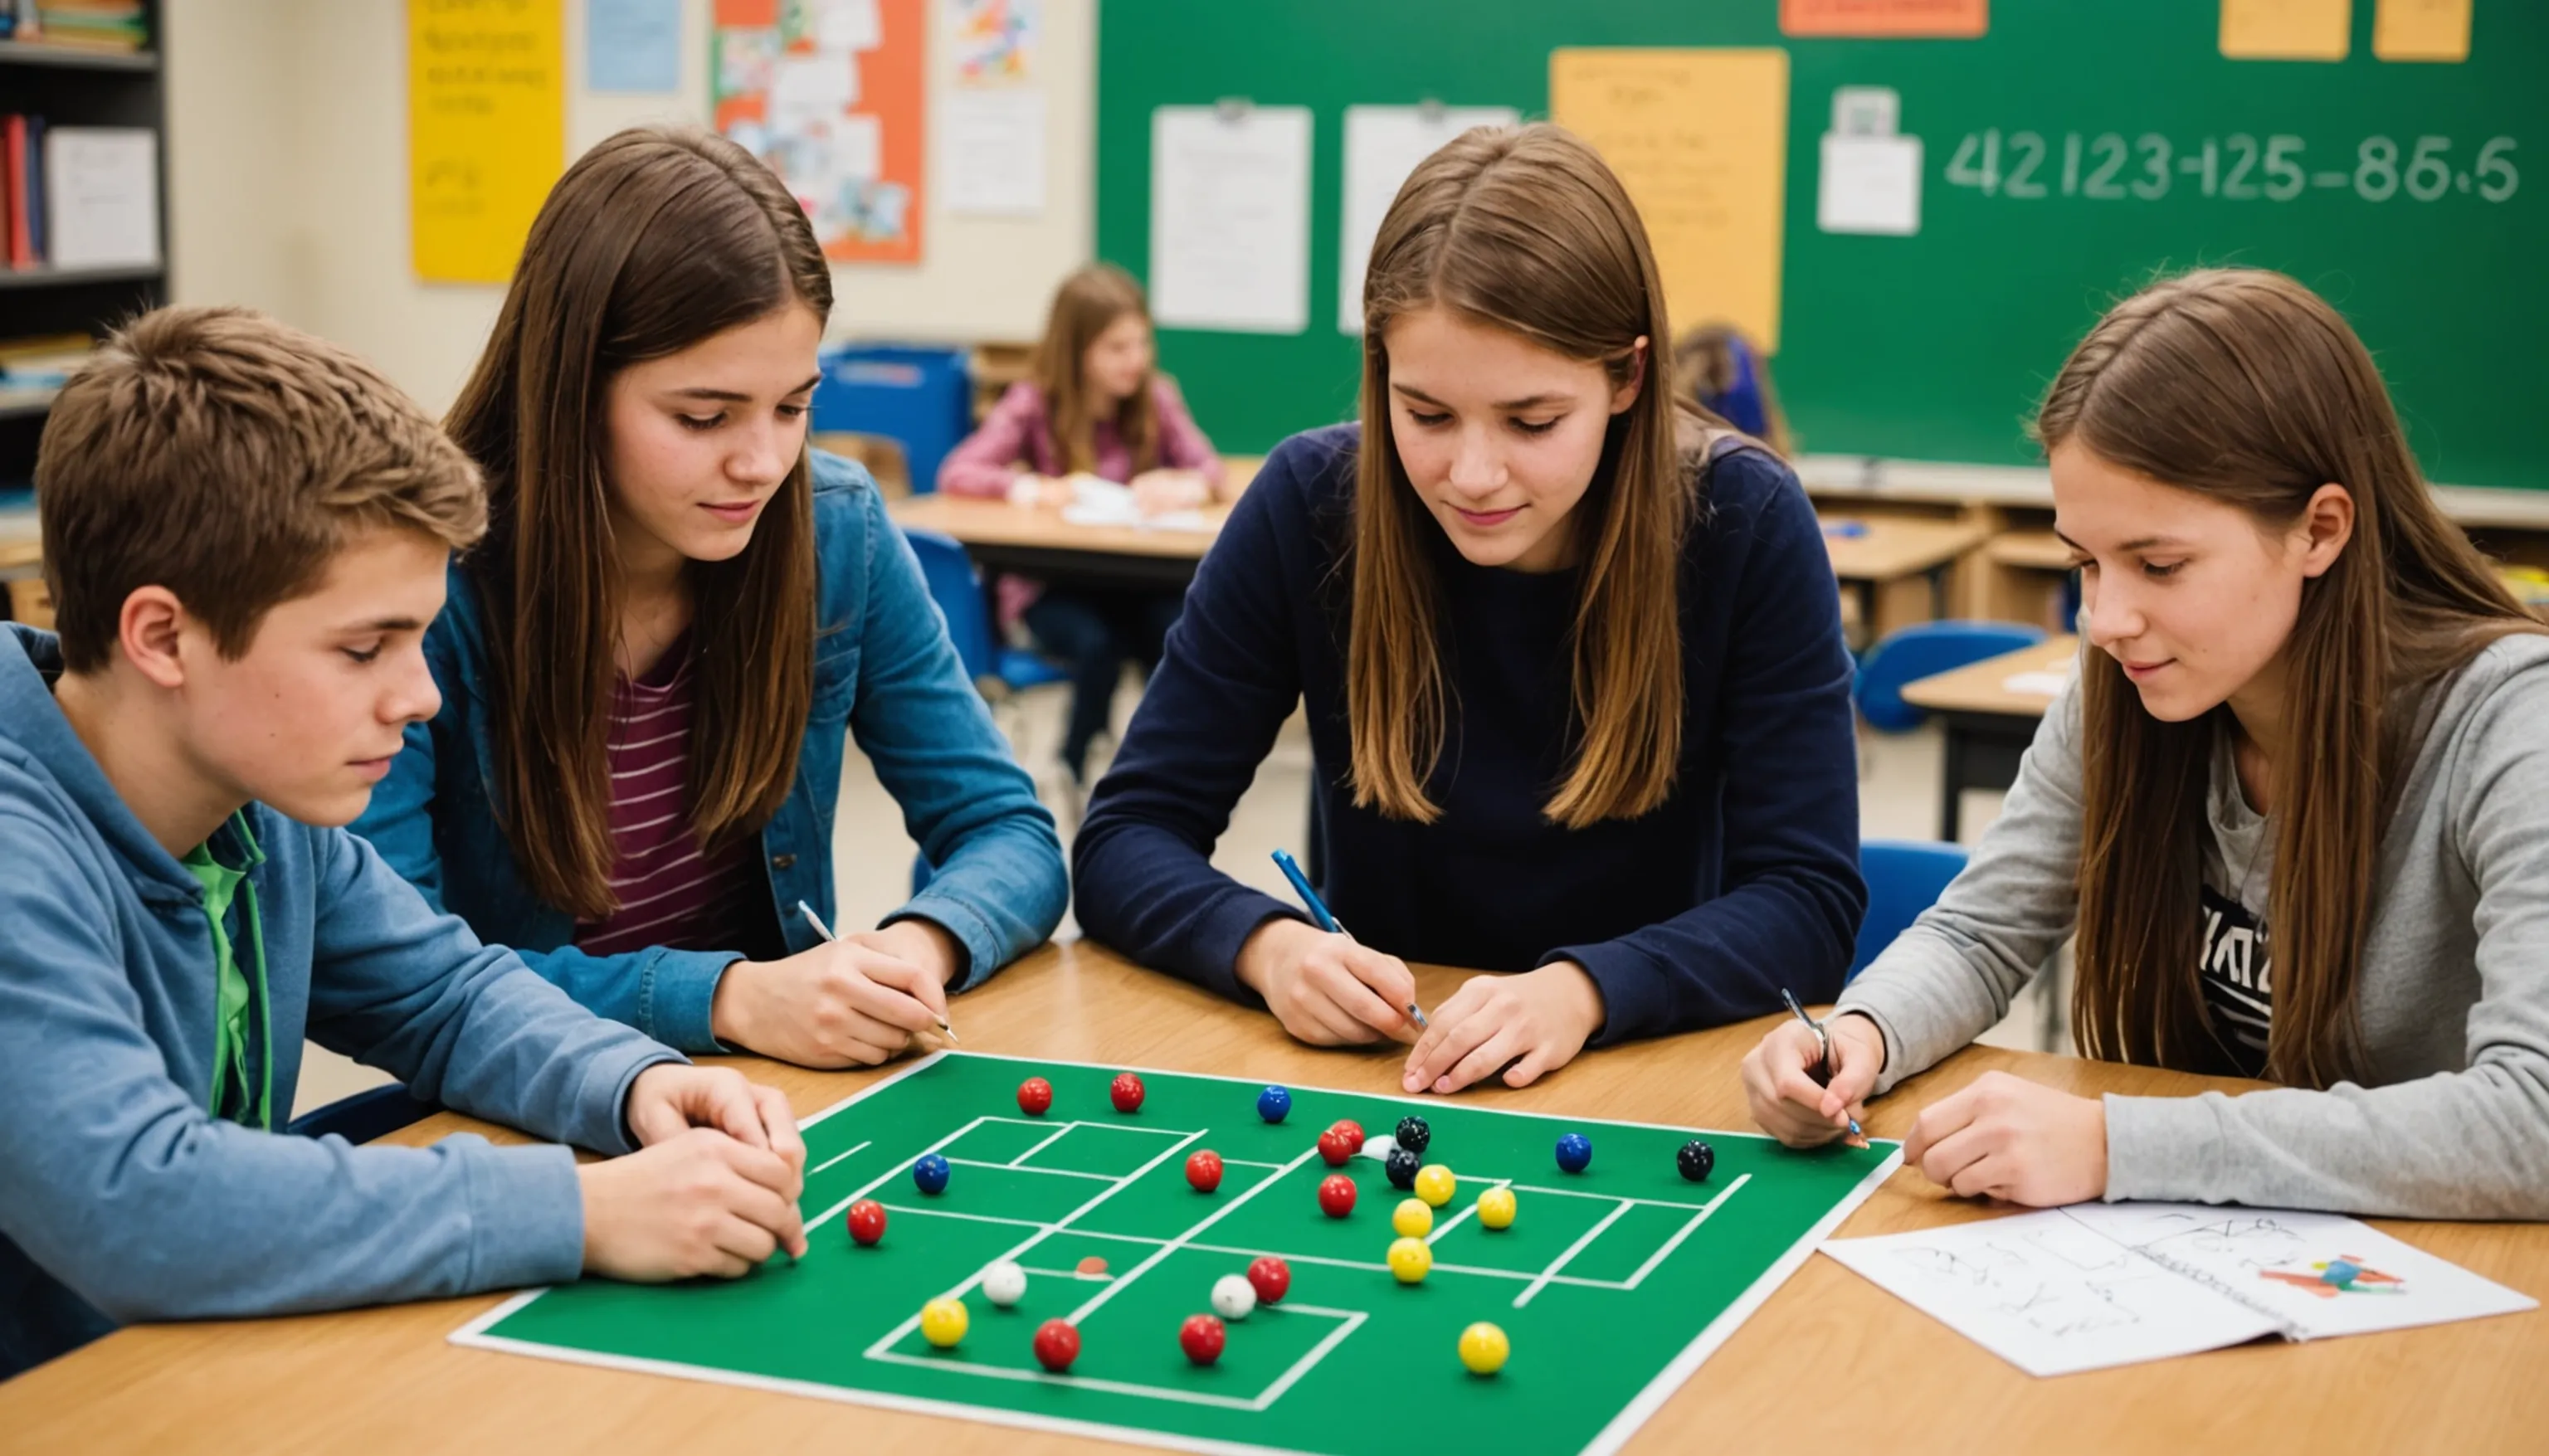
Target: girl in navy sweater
point(1572, 654)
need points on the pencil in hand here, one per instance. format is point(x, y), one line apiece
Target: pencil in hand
point(825, 931)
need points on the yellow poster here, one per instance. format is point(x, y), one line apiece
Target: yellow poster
point(2422, 29)
point(486, 130)
point(1700, 138)
point(2286, 30)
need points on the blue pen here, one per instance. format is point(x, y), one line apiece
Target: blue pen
point(1318, 909)
point(1824, 1039)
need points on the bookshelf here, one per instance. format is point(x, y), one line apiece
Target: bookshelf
point(70, 85)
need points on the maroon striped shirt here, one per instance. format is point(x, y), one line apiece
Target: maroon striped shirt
point(669, 893)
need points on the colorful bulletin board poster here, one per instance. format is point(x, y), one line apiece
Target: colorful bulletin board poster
point(1700, 138)
point(829, 93)
point(486, 130)
point(997, 40)
point(1957, 19)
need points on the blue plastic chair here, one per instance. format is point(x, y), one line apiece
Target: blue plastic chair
point(362, 1116)
point(1904, 877)
point(958, 591)
point(1925, 650)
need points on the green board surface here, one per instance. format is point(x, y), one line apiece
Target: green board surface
point(1937, 346)
point(1612, 1284)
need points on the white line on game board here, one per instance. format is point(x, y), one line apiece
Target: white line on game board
point(1351, 1321)
point(1049, 1137)
point(1183, 1240)
point(836, 1157)
point(1686, 1230)
point(1572, 1249)
point(1466, 1209)
point(975, 1162)
point(911, 1321)
point(880, 1180)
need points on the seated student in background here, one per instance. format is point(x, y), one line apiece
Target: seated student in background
point(2296, 809)
point(245, 534)
point(1730, 380)
point(1095, 405)
point(1572, 654)
point(650, 667)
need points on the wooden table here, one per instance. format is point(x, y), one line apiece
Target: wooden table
point(1988, 726)
point(1898, 565)
point(1830, 1364)
point(1034, 540)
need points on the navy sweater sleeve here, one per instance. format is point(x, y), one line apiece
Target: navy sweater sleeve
point(1792, 899)
point(1228, 678)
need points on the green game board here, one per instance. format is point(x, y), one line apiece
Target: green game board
point(1613, 1284)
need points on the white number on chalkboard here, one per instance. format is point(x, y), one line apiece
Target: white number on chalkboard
point(2285, 178)
point(2071, 164)
point(2376, 169)
point(2153, 185)
point(2101, 182)
point(2243, 152)
point(2029, 149)
point(1961, 171)
point(2494, 159)
point(2429, 164)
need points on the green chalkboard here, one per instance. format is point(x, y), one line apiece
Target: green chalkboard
point(1934, 346)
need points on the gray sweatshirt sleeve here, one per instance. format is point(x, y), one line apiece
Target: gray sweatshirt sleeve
point(2464, 1144)
point(1950, 977)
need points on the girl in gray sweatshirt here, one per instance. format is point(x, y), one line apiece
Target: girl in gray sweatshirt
point(2295, 809)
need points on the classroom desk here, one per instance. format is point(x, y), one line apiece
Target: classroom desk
point(1035, 541)
point(1988, 726)
point(1829, 1364)
point(1898, 565)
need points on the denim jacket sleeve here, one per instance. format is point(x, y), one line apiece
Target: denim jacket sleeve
point(665, 994)
point(997, 885)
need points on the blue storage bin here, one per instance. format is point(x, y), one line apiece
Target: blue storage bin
point(919, 395)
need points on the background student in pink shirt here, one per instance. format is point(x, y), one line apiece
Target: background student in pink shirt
point(1096, 404)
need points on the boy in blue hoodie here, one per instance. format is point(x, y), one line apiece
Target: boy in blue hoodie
point(245, 533)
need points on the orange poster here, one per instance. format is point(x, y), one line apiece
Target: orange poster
point(829, 94)
point(1952, 18)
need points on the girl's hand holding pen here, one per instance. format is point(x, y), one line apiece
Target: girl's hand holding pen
point(1327, 988)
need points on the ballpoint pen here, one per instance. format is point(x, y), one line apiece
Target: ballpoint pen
point(1320, 912)
point(825, 931)
point(1823, 1069)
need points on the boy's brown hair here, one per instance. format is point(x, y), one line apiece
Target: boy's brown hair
point(228, 457)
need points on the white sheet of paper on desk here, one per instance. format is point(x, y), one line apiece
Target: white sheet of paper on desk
point(1098, 501)
point(2041, 681)
point(2097, 1285)
point(2049, 1294)
point(1383, 143)
point(1230, 217)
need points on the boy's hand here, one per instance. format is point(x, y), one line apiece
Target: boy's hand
point(1329, 990)
point(669, 1099)
point(698, 1204)
point(1535, 1021)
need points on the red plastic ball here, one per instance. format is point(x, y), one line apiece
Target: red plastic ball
point(1271, 1277)
point(1334, 1147)
point(1337, 1195)
point(1202, 1337)
point(1203, 1170)
point(1353, 1132)
point(1126, 1091)
point(867, 1222)
point(1057, 1344)
point(1035, 1096)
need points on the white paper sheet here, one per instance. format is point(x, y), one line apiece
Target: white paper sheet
point(102, 196)
point(992, 150)
point(1098, 501)
point(811, 89)
point(2086, 1288)
point(1230, 219)
point(848, 25)
point(1383, 143)
point(1869, 184)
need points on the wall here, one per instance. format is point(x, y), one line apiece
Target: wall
point(288, 186)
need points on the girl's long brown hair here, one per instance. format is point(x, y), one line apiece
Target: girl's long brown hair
point(653, 241)
point(1525, 229)
point(2245, 386)
point(1089, 300)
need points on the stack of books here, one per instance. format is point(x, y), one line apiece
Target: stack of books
point(91, 25)
point(22, 190)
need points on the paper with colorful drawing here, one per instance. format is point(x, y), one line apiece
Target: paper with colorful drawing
point(2097, 1285)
